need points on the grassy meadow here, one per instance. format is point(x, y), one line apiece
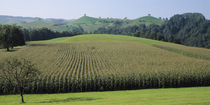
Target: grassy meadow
point(178, 96)
point(111, 62)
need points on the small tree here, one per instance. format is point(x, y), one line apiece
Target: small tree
point(19, 73)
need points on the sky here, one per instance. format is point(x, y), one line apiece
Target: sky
point(73, 9)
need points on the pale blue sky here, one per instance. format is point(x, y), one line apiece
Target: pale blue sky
point(72, 9)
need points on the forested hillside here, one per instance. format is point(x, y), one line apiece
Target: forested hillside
point(190, 29)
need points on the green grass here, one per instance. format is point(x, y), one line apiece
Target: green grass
point(182, 52)
point(99, 38)
point(172, 96)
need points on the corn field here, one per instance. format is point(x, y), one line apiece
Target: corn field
point(101, 66)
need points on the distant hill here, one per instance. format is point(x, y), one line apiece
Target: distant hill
point(38, 24)
point(149, 20)
point(16, 19)
point(86, 23)
point(90, 24)
point(25, 20)
point(85, 20)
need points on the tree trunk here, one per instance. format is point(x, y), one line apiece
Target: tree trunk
point(21, 94)
point(7, 48)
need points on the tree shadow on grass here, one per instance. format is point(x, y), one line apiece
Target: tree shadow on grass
point(10, 50)
point(69, 100)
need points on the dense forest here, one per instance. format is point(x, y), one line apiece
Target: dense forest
point(191, 29)
point(187, 29)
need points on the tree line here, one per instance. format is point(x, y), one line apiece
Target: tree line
point(12, 35)
point(45, 34)
point(191, 29)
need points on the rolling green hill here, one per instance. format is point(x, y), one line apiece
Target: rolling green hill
point(91, 24)
point(85, 20)
point(112, 62)
point(149, 20)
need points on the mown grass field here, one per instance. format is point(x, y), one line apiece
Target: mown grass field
point(178, 96)
point(111, 62)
